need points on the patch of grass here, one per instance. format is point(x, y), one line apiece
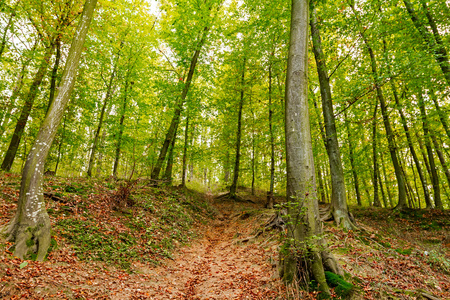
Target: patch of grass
point(343, 289)
point(403, 251)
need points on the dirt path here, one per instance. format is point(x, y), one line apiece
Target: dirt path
point(216, 267)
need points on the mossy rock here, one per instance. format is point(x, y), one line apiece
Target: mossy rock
point(342, 288)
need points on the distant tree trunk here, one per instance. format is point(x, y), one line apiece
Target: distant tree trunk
point(102, 114)
point(411, 147)
point(30, 227)
point(352, 160)
point(8, 25)
point(424, 154)
point(168, 173)
point(389, 134)
point(426, 134)
point(58, 159)
point(121, 127)
point(54, 73)
point(185, 149)
point(338, 190)
point(441, 157)
point(387, 183)
point(303, 244)
point(435, 45)
point(321, 187)
point(227, 168)
point(442, 116)
point(270, 197)
point(172, 131)
point(233, 187)
point(383, 196)
point(26, 109)
point(376, 199)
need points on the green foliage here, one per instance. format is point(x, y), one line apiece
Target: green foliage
point(403, 251)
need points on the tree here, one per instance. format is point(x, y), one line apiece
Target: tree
point(30, 227)
point(304, 243)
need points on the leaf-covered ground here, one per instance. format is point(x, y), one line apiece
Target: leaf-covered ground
point(179, 244)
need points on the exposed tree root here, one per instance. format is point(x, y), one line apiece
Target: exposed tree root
point(233, 197)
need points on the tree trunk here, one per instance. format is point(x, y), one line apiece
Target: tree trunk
point(102, 114)
point(411, 147)
point(303, 244)
point(270, 197)
point(168, 173)
point(121, 128)
point(30, 227)
point(54, 73)
point(352, 160)
point(434, 174)
point(172, 131)
point(435, 45)
point(5, 32)
point(233, 187)
point(185, 149)
point(441, 157)
point(338, 198)
point(58, 159)
point(376, 199)
point(390, 135)
point(26, 109)
point(442, 116)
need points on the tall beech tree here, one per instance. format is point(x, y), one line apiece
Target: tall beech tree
point(304, 244)
point(29, 230)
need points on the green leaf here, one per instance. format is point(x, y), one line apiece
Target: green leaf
point(23, 265)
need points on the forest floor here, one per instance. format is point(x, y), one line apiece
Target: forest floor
point(172, 243)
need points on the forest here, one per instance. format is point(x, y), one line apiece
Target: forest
point(224, 149)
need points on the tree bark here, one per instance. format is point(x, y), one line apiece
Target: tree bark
point(121, 127)
point(233, 187)
point(26, 109)
point(30, 227)
point(270, 196)
point(172, 131)
point(338, 190)
point(303, 212)
point(8, 25)
point(441, 157)
point(434, 174)
point(54, 73)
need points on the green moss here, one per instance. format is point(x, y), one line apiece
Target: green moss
point(29, 243)
point(342, 288)
point(403, 251)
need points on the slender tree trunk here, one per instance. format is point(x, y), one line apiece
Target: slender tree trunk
point(102, 114)
point(389, 194)
point(411, 147)
point(352, 160)
point(383, 196)
point(270, 197)
point(441, 157)
point(435, 45)
point(121, 128)
point(304, 228)
point(168, 173)
point(434, 174)
point(424, 154)
point(376, 199)
point(172, 131)
point(25, 113)
point(8, 25)
point(185, 149)
point(390, 135)
point(54, 73)
point(415, 183)
point(233, 188)
point(30, 227)
point(338, 198)
point(442, 116)
point(60, 145)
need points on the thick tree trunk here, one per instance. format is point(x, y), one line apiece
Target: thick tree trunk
point(233, 188)
point(434, 174)
point(26, 109)
point(172, 131)
point(168, 173)
point(102, 114)
point(338, 198)
point(387, 125)
point(303, 244)
point(435, 45)
point(30, 227)
point(352, 160)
